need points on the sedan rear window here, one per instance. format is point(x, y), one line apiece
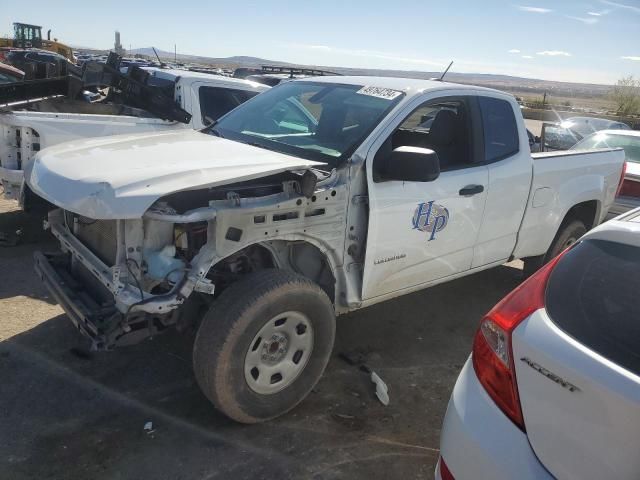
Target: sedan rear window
point(593, 296)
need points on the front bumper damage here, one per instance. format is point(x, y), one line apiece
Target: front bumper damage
point(102, 324)
point(143, 284)
point(88, 317)
point(130, 315)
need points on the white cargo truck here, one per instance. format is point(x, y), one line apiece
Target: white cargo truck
point(313, 199)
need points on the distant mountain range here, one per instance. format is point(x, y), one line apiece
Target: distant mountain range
point(503, 82)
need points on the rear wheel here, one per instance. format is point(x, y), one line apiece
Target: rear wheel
point(568, 234)
point(263, 345)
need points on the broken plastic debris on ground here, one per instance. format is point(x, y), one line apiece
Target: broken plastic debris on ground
point(382, 391)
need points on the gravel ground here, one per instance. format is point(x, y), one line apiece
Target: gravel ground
point(64, 416)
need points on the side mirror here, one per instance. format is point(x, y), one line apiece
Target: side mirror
point(412, 164)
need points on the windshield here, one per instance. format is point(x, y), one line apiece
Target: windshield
point(314, 121)
point(629, 143)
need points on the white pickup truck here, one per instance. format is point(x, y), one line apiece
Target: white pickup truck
point(46, 123)
point(316, 198)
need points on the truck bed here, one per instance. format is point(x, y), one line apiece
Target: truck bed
point(559, 181)
point(66, 105)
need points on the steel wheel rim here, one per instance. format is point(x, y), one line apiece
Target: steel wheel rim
point(278, 353)
point(570, 242)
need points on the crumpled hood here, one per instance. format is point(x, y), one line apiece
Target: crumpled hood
point(120, 177)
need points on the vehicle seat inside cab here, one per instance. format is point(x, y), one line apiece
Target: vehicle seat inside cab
point(448, 135)
point(448, 138)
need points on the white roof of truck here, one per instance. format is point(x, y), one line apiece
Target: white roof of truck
point(188, 76)
point(411, 86)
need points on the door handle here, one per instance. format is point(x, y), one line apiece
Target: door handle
point(470, 190)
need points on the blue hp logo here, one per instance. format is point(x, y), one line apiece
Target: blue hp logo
point(430, 217)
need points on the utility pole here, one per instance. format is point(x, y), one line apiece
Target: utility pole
point(175, 54)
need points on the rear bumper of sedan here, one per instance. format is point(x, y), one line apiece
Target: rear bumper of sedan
point(479, 441)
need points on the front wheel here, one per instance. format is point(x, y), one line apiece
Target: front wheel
point(263, 345)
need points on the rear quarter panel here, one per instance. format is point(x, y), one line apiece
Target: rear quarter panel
point(562, 180)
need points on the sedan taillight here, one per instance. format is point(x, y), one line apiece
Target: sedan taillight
point(621, 181)
point(445, 473)
point(629, 188)
point(492, 348)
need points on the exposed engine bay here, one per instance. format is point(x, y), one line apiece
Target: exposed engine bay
point(191, 245)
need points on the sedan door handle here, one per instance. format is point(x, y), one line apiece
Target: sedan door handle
point(470, 190)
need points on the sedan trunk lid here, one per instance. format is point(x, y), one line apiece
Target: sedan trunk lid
point(578, 365)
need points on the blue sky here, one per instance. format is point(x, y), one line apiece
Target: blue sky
point(593, 41)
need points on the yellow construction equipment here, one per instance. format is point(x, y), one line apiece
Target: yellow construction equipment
point(30, 36)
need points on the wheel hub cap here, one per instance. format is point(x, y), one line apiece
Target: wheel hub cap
point(278, 353)
point(275, 348)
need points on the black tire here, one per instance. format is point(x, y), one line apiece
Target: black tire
point(568, 234)
point(228, 330)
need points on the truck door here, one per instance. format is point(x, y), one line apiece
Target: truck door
point(420, 232)
point(506, 154)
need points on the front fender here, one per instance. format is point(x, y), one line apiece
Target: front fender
point(319, 221)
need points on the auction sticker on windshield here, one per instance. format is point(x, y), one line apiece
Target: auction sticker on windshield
point(379, 92)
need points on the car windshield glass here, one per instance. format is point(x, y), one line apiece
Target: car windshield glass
point(315, 121)
point(630, 144)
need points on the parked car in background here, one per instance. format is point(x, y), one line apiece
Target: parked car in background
point(250, 230)
point(587, 125)
point(563, 135)
point(628, 197)
point(39, 63)
point(552, 387)
point(274, 75)
point(9, 74)
point(271, 79)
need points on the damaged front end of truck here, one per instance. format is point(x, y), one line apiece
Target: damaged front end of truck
point(123, 280)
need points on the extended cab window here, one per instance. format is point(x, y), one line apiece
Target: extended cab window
point(500, 131)
point(216, 101)
point(443, 126)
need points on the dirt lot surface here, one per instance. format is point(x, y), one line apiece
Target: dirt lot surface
point(63, 416)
